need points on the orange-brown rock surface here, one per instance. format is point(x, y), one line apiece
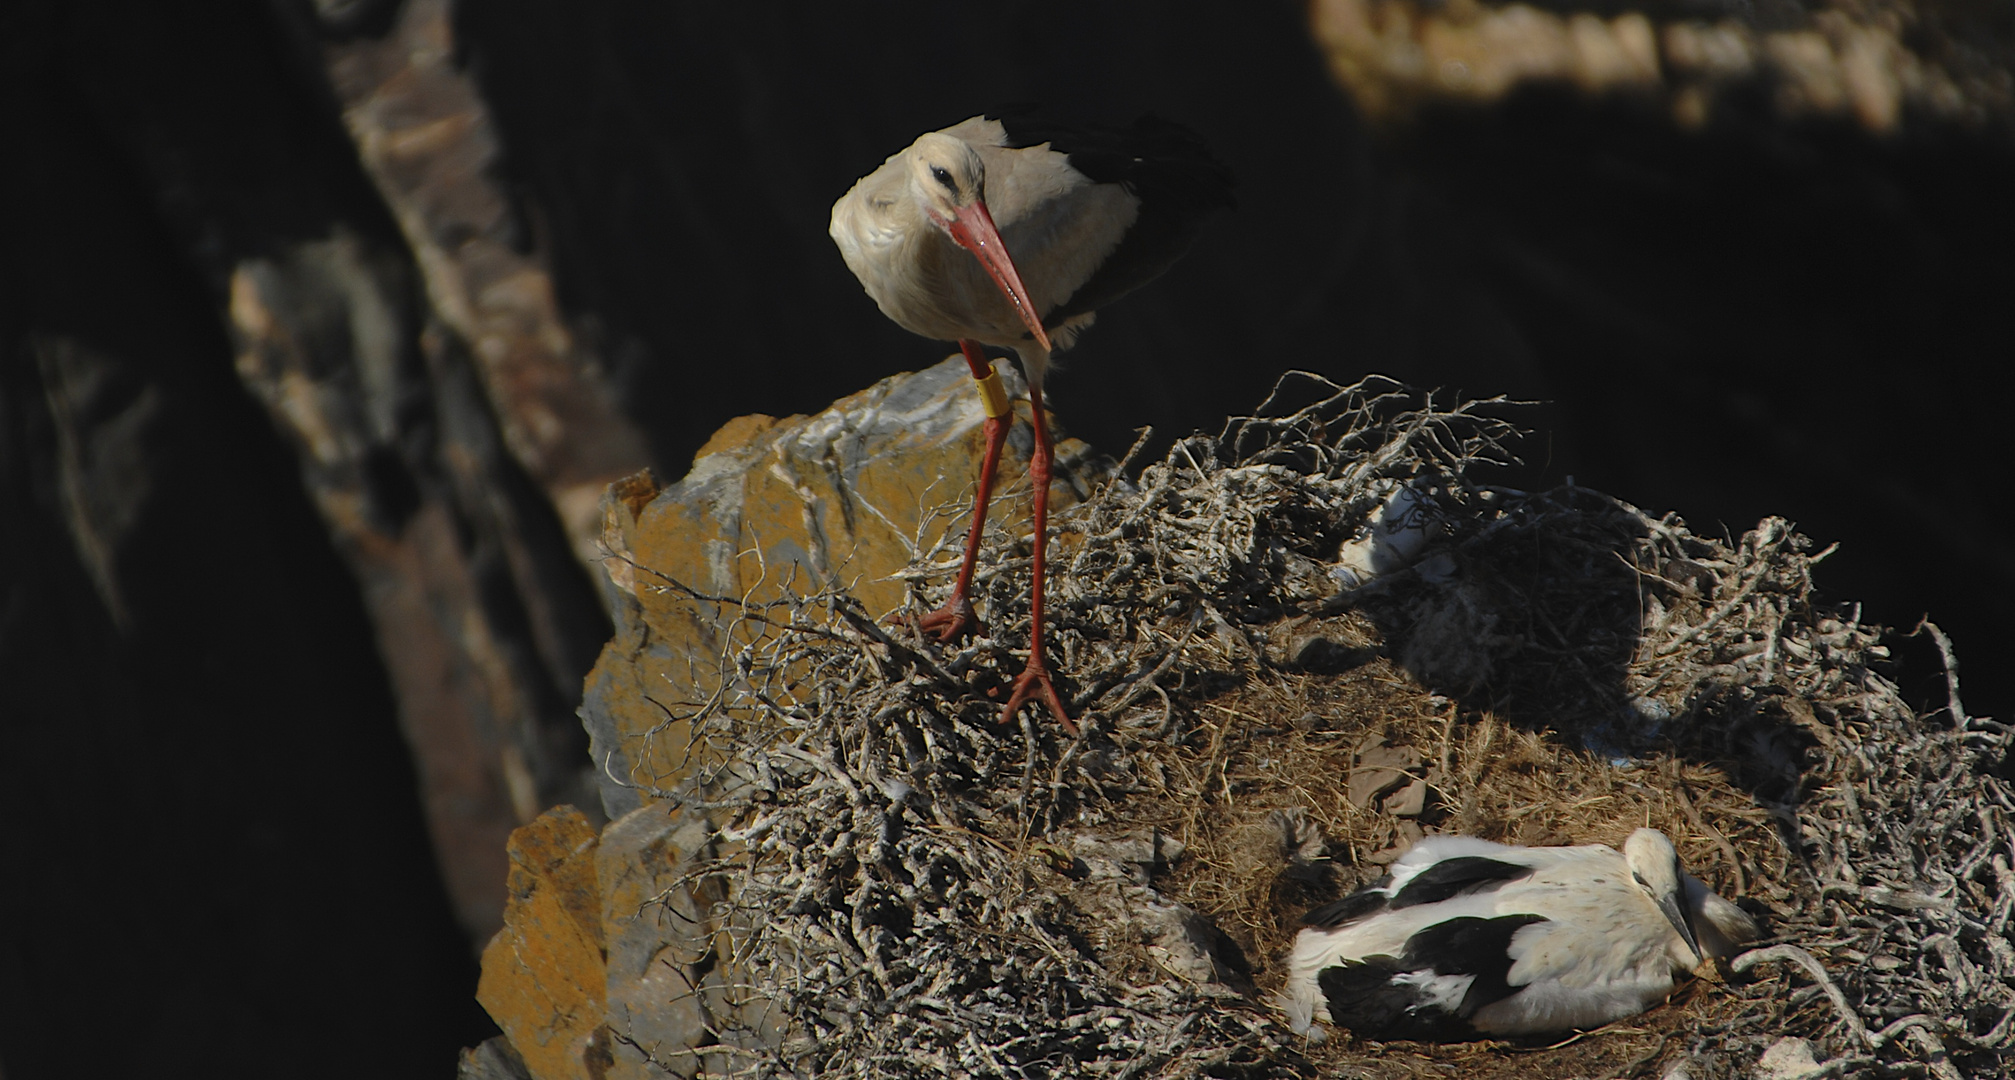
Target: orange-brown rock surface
point(607, 965)
point(848, 496)
point(543, 973)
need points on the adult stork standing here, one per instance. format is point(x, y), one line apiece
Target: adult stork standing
point(1465, 938)
point(1011, 232)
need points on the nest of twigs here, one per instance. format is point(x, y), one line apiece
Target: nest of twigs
point(916, 891)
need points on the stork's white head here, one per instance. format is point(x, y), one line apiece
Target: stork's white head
point(1655, 864)
point(946, 176)
point(948, 180)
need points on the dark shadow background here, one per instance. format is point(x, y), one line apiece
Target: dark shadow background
point(215, 863)
point(1766, 318)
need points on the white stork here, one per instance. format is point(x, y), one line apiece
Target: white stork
point(1053, 222)
point(1465, 938)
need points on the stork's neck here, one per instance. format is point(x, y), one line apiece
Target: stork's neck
point(884, 224)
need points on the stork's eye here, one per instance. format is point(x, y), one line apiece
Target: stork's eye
point(943, 176)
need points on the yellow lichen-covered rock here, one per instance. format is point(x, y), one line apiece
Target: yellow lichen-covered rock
point(843, 497)
point(544, 974)
point(677, 1003)
point(611, 964)
point(660, 950)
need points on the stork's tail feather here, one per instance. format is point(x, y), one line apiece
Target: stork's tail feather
point(1379, 998)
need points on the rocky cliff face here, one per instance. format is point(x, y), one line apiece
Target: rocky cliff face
point(855, 497)
point(609, 963)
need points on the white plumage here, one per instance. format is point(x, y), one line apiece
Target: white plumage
point(1057, 223)
point(1011, 231)
point(1465, 937)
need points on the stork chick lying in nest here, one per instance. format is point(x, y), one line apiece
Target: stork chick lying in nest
point(1466, 938)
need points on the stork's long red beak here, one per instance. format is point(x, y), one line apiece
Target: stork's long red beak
point(973, 228)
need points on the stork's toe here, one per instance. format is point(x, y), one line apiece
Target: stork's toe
point(955, 621)
point(1035, 681)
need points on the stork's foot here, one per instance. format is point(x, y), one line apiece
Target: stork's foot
point(1033, 681)
point(953, 622)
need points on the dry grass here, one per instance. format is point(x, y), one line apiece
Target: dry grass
point(923, 893)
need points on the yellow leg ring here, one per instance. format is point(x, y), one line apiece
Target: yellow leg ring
point(993, 396)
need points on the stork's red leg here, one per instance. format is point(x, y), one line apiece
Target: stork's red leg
point(956, 618)
point(1035, 678)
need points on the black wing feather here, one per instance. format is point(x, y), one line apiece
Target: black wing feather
point(1469, 946)
point(1363, 997)
point(1349, 909)
point(1454, 877)
point(1163, 164)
